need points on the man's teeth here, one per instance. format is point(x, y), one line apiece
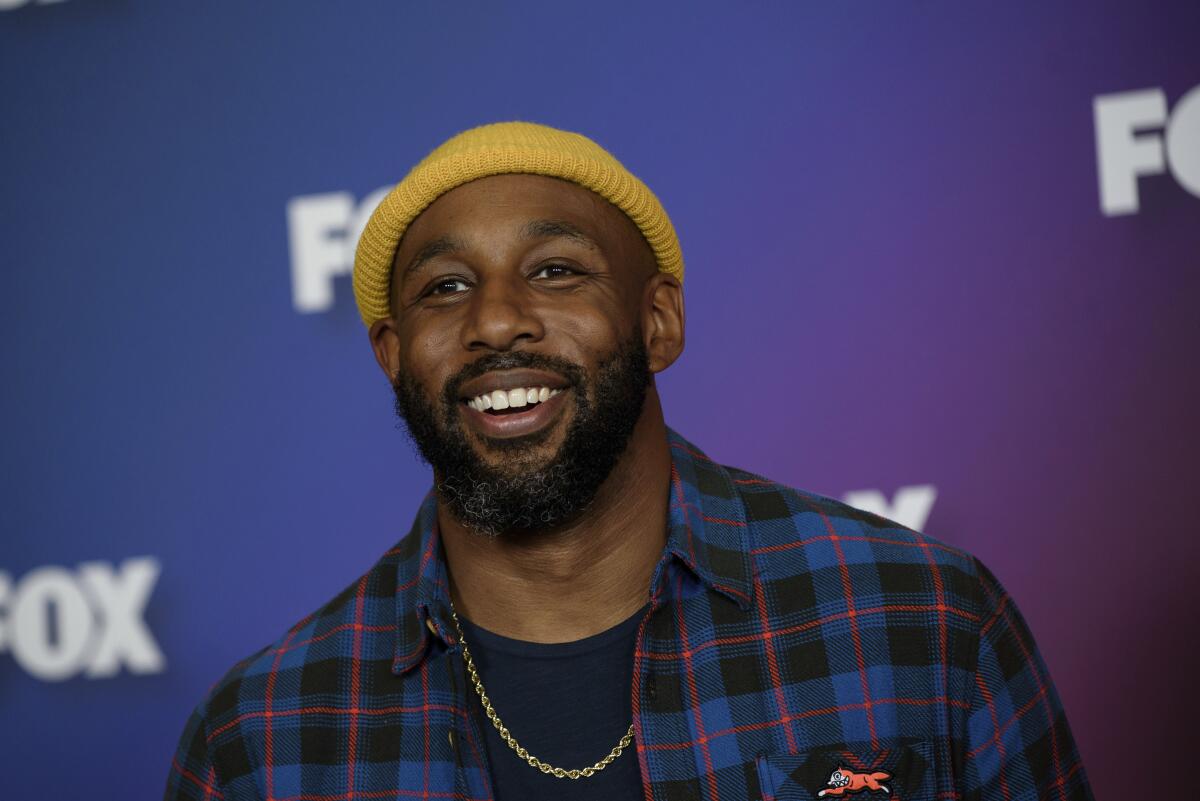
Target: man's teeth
point(502, 399)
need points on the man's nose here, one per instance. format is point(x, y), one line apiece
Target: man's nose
point(500, 316)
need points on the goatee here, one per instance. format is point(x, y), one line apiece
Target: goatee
point(529, 495)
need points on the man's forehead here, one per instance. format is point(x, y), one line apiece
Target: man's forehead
point(451, 243)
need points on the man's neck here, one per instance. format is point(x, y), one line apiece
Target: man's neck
point(571, 583)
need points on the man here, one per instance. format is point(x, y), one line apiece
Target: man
point(586, 605)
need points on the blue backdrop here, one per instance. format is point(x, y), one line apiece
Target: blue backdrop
point(905, 287)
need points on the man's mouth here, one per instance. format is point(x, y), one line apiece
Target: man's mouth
point(501, 402)
point(513, 403)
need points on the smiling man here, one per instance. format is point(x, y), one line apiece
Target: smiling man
point(587, 606)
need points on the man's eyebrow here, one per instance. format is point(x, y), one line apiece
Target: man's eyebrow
point(438, 247)
point(546, 229)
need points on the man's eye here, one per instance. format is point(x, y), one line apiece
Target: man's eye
point(555, 271)
point(447, 286)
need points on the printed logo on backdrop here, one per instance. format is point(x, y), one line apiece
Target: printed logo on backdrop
point(1137, 136)
point(910, 506)
point(323, 231)
point(9, 5)
point(58, 623)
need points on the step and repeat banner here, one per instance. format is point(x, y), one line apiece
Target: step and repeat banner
point(942, 263)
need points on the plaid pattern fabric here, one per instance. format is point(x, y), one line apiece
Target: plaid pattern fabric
point(791, 641)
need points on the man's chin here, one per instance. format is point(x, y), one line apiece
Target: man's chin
point(512, 455)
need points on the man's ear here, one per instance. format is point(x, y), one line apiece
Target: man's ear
point(663, 320)
point(385, 341)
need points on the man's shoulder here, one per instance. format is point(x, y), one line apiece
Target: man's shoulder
point(358, 625)
point(792, 528)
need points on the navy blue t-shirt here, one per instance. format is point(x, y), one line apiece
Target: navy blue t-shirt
point(567, 703)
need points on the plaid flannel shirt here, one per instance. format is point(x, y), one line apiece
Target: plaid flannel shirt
point(788, 636)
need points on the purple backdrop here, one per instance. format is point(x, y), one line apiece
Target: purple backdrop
point(899, 275)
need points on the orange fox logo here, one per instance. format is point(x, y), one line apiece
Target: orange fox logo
point(845, 782)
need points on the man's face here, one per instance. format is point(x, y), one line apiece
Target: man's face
point(512, 290)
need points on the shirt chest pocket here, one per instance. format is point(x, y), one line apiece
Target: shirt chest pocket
point(901, 772)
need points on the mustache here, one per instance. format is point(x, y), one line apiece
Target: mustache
point(512, 360)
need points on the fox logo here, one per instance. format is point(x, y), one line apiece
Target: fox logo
point(846, 782)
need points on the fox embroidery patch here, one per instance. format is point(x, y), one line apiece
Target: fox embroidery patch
point(846, 782)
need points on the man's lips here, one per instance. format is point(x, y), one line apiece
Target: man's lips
point(516, 422)
point(507, 380)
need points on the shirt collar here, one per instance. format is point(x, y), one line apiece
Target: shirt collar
point(707, 524)
point(707, 532)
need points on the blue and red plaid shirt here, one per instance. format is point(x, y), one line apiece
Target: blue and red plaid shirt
point(794, 647)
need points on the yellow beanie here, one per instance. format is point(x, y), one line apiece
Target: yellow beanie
point(497, 149)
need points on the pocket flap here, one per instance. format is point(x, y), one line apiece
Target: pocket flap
point(900, 772)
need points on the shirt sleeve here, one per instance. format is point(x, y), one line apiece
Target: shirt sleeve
point(192, 776)
point(1019, 746)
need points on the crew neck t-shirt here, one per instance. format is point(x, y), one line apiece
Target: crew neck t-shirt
point(568, 704)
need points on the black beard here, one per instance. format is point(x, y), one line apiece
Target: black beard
point(527, 495)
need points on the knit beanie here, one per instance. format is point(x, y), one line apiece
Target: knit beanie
point(498, 149)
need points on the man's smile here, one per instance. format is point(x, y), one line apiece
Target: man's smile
point(516, 422)
point(499, 401)
point(513, 403)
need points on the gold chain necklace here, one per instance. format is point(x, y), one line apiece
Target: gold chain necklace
point(544, 767)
